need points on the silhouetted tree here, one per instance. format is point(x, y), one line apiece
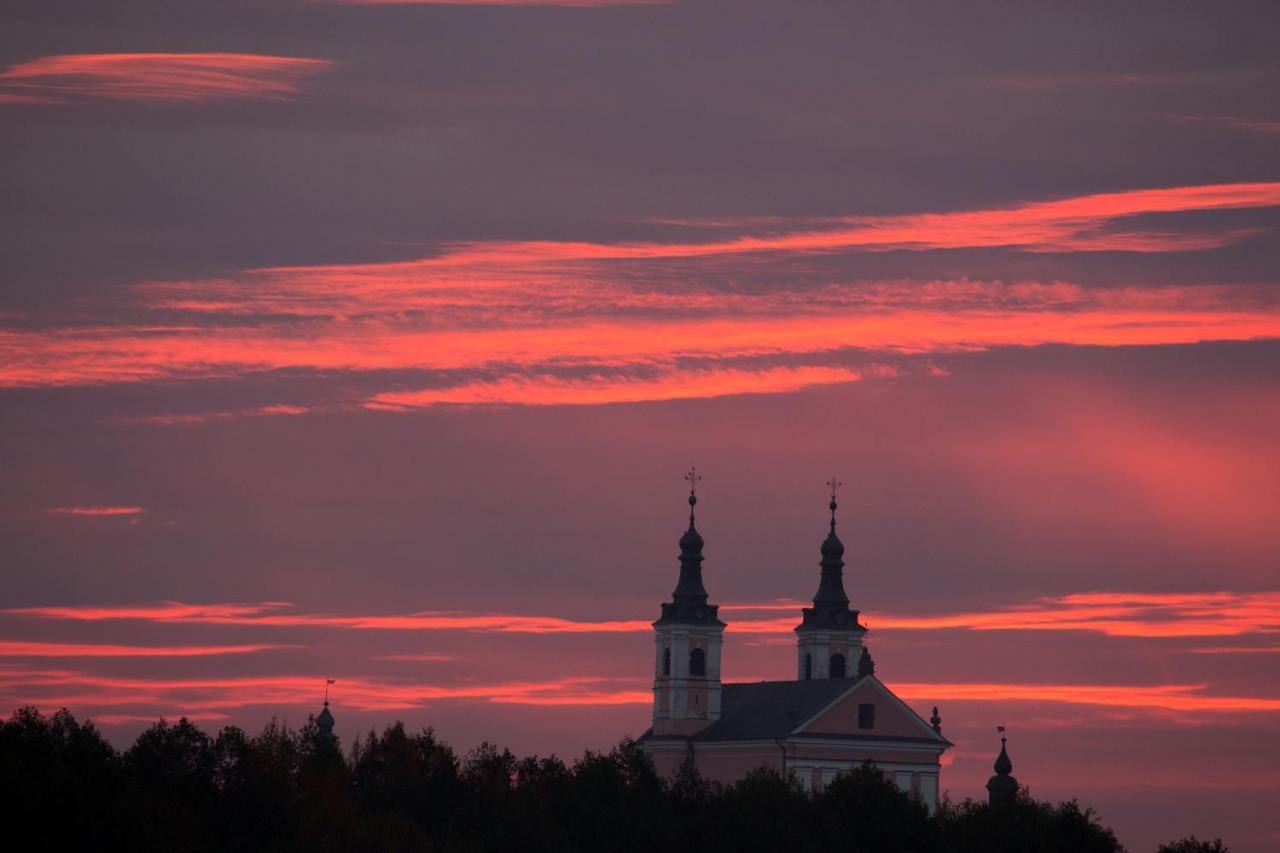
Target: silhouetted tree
point(170, 774)
point(872, 814)
point(754, 814)
point(62, 777)
point(1023, 825)
point(178, 789)
point(259, 801)
point(407, 787)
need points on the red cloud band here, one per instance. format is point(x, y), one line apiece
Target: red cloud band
point(96, 510)
point(633, 317)
point(20, 649)
point(159, 77)
point(214, 696)
point(1171, 615)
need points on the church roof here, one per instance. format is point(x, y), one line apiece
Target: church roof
point(768, 710)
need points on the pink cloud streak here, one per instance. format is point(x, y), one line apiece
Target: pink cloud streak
point(92, 650)
point(96, 511)
point(70, 688)
point(159, 78)
point(1118, 614)
point(633, 317)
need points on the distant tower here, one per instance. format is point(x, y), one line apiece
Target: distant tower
point(687, 637)
point(1002, 787)
point(324, 722)
point(829, 638)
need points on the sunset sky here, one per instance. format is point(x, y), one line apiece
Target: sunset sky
point(371, 340)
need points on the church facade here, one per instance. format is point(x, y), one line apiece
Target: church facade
point(834, 716)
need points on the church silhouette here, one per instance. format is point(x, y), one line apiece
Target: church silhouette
point(835, 715)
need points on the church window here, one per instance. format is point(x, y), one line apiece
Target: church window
point(837, 666)
point(808, 666)
point(866, 716)
point(666, 661)
point(697, 662)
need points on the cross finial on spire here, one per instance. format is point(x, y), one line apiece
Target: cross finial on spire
point(835, 485)
point(693, 477)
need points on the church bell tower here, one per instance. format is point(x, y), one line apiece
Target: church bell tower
point(829, 636)
point(687, 639)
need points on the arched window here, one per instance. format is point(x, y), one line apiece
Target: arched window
point(697, 662)
point(808, 666)
point(837, 666)
point(666, 661)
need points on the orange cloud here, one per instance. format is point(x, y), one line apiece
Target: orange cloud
point(913, 325)
point(590, 391)
point(1168, 615)
point(164, 611)
point(95, 650)
point(205, 417)
point(96, 511)
point(213, 696)
point(268, 614)
point(158, 78)
point(550, 323)
point(1169, 697)
point(77, 689)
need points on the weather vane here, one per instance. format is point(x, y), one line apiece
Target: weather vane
point(835, 485)
point(327, 682)
point(693, 477)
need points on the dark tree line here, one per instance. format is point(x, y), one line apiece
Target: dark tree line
point(180, 789)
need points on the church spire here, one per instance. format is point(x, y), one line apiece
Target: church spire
point(325, 721)
point(830, 594)
point(689, 598)
point(1002, 787)
point(829, 636)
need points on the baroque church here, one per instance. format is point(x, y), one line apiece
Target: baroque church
point(834, 716)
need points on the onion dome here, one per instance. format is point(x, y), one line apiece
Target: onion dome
point(1002, 787)
point(691, 542)
point(324, 722)
point(832, 547)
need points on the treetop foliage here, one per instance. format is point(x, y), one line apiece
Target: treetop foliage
point(179, 789)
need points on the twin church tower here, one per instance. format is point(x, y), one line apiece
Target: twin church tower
point(834, 716)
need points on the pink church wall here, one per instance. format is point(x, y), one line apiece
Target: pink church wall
point(856, 755)
point(667, 762)
point(842, 718)
point(729, 765)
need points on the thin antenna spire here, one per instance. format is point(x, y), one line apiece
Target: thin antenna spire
point(693, 477)
point(835, 485)
point(327, 682)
